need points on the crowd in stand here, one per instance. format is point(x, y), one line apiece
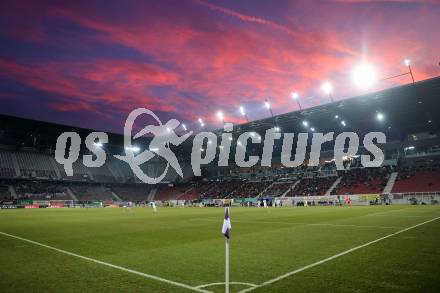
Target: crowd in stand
point(40, 190)
point(278, 189)
point(250, 189)
point(312, 186)
point(362, 180)
point(313, 181)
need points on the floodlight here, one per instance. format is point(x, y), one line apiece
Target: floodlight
point(336, 116)
point(312, 128)
point(407, 62)
point(295, 95)
point(242, 111)
point(343, 123)
point(379, 116)
point(220, 115)
point(327, 88)
point(364, 76)
point(305, 123)
point(134, 149)
point(267, 104)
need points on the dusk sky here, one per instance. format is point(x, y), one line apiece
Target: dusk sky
point(89, 64)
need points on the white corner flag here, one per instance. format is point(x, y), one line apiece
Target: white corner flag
point(226, 224)
point(225, 231)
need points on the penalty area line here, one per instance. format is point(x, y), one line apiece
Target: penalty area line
point(148, 276)
point(286, 275)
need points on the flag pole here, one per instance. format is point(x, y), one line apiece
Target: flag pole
point(227, 267)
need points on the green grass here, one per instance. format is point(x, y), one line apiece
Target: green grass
point(186, 246)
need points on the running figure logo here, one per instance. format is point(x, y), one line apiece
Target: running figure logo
point(164, 135)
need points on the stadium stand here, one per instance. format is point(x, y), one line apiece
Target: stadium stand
point(166, 192)
point(6, 165)
point(35, 165)
point(4, 191)
point(417, 179)
point(278, 188)
point(32, 189)
point(312, 186)
point(250, 189)
point(91, 191)
point(362, 181)
point(131, 192)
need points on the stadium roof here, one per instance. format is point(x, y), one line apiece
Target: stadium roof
point(407, 109)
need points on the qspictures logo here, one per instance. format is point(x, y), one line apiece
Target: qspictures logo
point(205, 147)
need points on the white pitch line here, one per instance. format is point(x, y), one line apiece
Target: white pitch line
point(312, 224)
point(109, 264)
point(222, 283)
point(334, 257)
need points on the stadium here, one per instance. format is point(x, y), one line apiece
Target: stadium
point(271, 226)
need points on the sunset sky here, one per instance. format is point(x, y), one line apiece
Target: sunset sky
point(89, 64)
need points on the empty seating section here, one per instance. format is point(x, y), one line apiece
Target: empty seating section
point(4, 191)
point(41, 190)
point(121, 171)
point(6, 166)
point(362, 181)
point(417, 179)
point(102, 174)
point(312, 186)
point(88, 191)
point(132, 192)
point(35, 165)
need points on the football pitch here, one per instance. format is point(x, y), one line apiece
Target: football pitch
point(314, 249)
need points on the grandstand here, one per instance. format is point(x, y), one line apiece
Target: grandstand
point(412, 154)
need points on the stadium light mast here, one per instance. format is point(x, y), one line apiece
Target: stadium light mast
point(201, 122)
point(327, 88)
point(267, 105)
point(408, 64)
point(295, 96)
point(221, 117)
point(243, 113)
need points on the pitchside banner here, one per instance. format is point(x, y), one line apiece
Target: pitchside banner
point(8, 204)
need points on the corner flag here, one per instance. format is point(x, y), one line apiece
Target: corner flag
point(225, 230)
point(226, 224)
